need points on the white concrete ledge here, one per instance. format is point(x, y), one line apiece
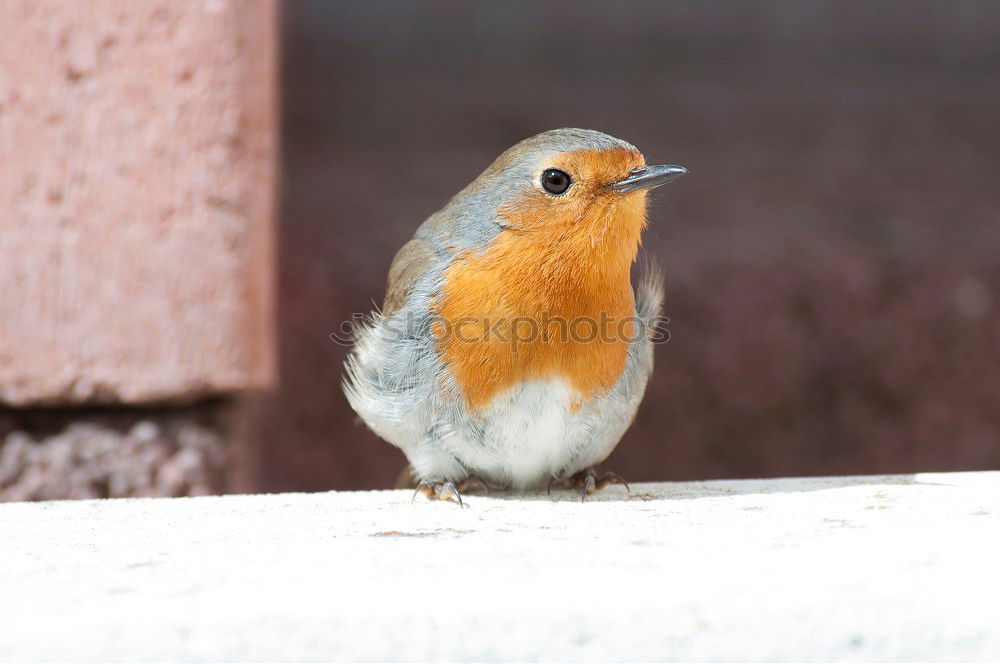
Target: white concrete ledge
point(866, 568)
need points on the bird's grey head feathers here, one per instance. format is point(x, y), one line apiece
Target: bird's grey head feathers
point(470, 220)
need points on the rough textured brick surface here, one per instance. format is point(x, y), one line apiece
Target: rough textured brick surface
point(47, 455)
point(137, 151)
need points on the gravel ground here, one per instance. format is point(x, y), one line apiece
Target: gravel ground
point(46, 456)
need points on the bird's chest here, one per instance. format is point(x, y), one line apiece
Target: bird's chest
point(497, 329)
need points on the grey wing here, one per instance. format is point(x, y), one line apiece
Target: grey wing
point(428, 251)
point(639, 365)
point(648, 304)
point(649, 293)
point(409, 265)
point(390, 378)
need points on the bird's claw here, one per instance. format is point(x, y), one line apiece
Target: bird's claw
point(438, 491)
point(471, 483)
point(588, 482)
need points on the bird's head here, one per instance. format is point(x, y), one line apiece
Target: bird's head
point(574, 188)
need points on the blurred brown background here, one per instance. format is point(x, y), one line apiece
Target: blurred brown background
point(832, 261)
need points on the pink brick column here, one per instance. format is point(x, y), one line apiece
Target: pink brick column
point(137, 167)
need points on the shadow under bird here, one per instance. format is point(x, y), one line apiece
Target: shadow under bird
point(511, 349)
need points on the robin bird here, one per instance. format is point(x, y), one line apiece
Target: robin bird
point(510, 348)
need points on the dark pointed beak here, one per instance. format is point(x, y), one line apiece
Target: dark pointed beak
point(647, 177)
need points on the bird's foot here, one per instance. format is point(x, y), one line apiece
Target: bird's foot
point(439, 491)
point(474, 483)
point(588, 481)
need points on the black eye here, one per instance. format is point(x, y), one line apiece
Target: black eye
point(555, 181)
